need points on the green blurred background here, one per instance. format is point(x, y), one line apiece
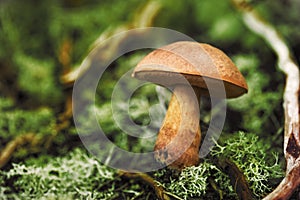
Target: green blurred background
point(40, 40)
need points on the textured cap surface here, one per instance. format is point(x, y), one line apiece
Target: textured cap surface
point(199, 64)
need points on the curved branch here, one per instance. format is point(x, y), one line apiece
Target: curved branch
point(291, 94)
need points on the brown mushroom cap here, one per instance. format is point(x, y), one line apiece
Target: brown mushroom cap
point(201, 64)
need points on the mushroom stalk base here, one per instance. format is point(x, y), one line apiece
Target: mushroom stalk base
point(178, 140)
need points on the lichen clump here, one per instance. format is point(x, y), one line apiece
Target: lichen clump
point(250, 155)
point(73, 176)
point(247, 152)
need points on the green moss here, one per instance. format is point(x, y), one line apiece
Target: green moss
point(14, 122)
point(37, 79)
point(6, 104)
point(192, 181)
point(208, 181)
point(260, 104)
point(76, 175)
point(197, 182)
point(31, 36)
point(253, 158)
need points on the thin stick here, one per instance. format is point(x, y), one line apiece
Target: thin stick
point(144, 17)
point(159, 190)
point(7, 152)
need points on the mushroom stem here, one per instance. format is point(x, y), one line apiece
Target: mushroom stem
point(180, 135)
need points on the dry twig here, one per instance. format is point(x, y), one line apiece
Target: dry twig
point(10, 148)
point(159, 190)
point(291, 94)
point(237, 178)
point(144, 17)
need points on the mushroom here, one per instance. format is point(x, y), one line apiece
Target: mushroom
point(192, 69)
